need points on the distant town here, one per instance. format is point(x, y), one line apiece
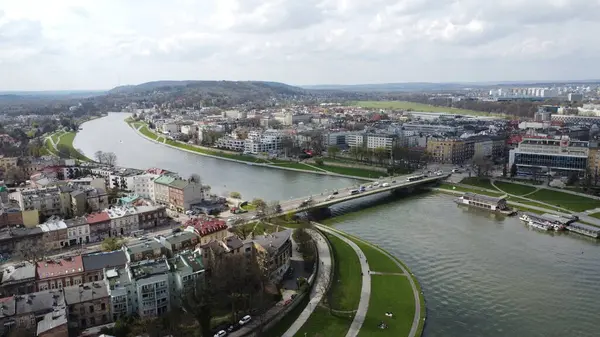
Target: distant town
point(89, 247)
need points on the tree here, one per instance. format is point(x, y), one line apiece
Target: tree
point(573, 179)
point(235, 195)
point(504, 171)
point(272, 209)
point(319, 162)
point(483, 164)
point(287, 145)
point(32, 253)
point(110, 158)
point(112, 244)
point(99, 156)
point(195, 178)
point(381, 154)
point(513, 170)
point(355, 152)
point(260, 204)
point(333, 151)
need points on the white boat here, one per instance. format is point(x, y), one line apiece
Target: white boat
point(524, 217)
point(539, 225)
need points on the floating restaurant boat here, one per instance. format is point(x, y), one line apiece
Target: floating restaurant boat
point(541, 225)
point(584, 229)
point(485, 202)
point(555, 221)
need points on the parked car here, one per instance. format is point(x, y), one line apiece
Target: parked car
point(330, 197)
point(385, 185)
point(335, 193)
point(393, 181)
point(245, 320)
point(221, 333)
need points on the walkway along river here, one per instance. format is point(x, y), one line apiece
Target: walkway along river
point(482, 275)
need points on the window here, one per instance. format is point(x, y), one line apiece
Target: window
point(103, 306)
point(91, 308)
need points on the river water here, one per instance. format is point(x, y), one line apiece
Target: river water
point(482, 275)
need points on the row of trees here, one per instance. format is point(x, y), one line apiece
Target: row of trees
point(106, 158)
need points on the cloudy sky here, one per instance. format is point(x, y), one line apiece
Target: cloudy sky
point(98, 44)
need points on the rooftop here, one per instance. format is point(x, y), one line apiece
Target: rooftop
point(42, 301)
point(233, 242)
point(179, 184)
point(98, 261)
point(148, 268)
point(98, 217)
point(59, 267)
point(273, 242)
point(206, 226)
point(85, 292)
point(482, 197)
point(18, 272)
point(52, 320)
point(180, 237)
point(53, 225)
point(164, 180)
point(143, 246)
point(192, 260)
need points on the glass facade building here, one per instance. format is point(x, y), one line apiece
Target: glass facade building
point(559, 156)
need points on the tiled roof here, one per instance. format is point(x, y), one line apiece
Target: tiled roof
point(178, 183)
point(55, 268)
point(164, 180)
point(207, 225)
point(98, 217)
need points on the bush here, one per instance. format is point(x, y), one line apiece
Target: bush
point(319, 161)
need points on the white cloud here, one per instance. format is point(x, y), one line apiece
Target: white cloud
point(78, 44)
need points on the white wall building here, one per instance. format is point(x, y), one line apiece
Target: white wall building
point(260, 142)
point(123, 220)
point(231, 143)
point(143, 185)
point(78, 231)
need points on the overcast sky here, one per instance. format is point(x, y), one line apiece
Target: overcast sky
point(99, 44)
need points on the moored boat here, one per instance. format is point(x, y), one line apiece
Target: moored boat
point(485, 202)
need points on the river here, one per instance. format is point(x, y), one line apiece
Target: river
point(482, 275)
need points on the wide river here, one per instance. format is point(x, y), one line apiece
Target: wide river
point(482, 275)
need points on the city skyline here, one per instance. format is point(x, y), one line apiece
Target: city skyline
point(85, 45)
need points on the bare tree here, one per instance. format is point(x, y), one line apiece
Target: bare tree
point(195, 178)
point(110, 158)
point(32, 253)
point(99, 156)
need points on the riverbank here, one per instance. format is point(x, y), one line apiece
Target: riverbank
point(367, 283)
point(142, 130)
point(52, 142)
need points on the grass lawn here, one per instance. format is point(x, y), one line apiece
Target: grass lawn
point(55, 136)
point(299, 166)
point(357, 172)
point(378, 261)
point(344, 293)
point(595, 215)
point(516, 189)
point(389, 293)
point(565, 200)
point(66, 139)
point(284, 324)
point(146, 132)
point(478, 182)
point(472, 190)
point(416, 107)
point(531, 203)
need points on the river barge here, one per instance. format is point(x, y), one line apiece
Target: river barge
point(547, 221)
point(584, 229)
point(493, 204)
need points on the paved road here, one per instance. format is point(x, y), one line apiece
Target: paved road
point(365, 291)
point(317, 292)
point(417, 317)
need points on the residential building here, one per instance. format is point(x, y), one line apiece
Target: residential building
point(46, 200)
point(8, 162)
point(89, 304)
point(161, 189)
point(18, 240)
point(59, 273)
point(208, 228)
point(268, 141)
point(10, 215)
point(142, 288)
point(123, 220)
point(31, 308)
point(151, 216)
point(279, 252)
point(143, 185)
point(178, 242)
point(144, 250)
point(188, 271)
point(78, 231)
point(55, 234)
point(561, 157)
point(483, 147)
point(18, 279)
point(231, 143)
point(185, 193)
point(450, 150)
point(94, 264)
point(99, 226)
point(54, 324)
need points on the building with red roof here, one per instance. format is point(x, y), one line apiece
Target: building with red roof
point(99, 223)
point(59, 273)
point(209, 229)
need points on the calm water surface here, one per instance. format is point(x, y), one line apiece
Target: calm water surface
point(486, 275)
point(482, 275)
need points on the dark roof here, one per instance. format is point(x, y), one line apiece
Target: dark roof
point(483, 197)
point(233, 242)
point(273, 242)
point(85, 292)
point(99, 261)
point(39, 302)
point(586, 227)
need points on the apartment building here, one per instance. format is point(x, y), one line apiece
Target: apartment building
point(8, 162)
point(59, 273)
point(561, 156)
point(161, 189)
point(185, 193)
point(278, 247)
point(88, 200)
point(123, 220)
point(178, 242)
point(18, 279)
point(144, 250)
point(25, 311)
point(19, 239)
point(151, 216)
point(268, 141)
point(46, 200)
point(99, 225)
point(450, 150)
point(231, 143)
point(78, 231)
point(55, 235)
point(94, 264)
point(208, 228)
point(188, 270)
point(143, 185)
point(88, 304)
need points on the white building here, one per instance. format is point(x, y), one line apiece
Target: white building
point(234, 114)
point(231, 143)
point(268, 141)
point(46, 200)
point(189, 129)
point(170, 127)
point(143, 185)
point(78, 231)
point(123, 220)
point(553, 156)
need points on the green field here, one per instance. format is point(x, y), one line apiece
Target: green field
point(344, 294)
point(389, 293)
point(516, 189)
point(478, 182)
point(378, 261)
point(66, 139)
point(404, 105)
point(569, 201)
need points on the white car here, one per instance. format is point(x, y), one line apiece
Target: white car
point(385, 185)
point(330, 197)
point(221, 333)
point(245, 320)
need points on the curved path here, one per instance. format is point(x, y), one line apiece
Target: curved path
point(316, 294)
point(365, 291)
point(417, 317)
